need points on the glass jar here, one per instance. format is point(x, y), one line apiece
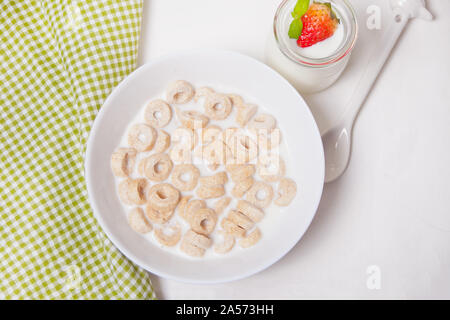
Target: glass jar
point(312, 69)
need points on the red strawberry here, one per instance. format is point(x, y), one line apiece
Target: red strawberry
point(319, 23)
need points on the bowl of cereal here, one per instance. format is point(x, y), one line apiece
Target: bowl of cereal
point(204, 166)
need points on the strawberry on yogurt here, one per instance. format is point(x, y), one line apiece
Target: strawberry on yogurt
point(315, 26)
point(312, 42)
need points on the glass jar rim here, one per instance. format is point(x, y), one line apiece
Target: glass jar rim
point(320, 62)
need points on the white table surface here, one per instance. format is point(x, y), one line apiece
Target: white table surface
point(391, 209)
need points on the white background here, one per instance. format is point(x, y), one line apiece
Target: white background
point(392, 207)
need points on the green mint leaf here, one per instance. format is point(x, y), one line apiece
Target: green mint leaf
point(295, 29)
point(300, 8)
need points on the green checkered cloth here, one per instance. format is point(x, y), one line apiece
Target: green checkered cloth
point(59, 60)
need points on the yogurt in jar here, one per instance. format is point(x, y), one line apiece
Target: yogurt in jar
point(316, 67)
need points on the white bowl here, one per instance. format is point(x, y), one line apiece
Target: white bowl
point(305, 161)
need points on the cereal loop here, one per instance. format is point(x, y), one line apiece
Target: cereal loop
point(251, 239)
point(157, 216)
point(241, 187)
point(179, 92)
point(162, 142)
point(211, 134)
point(228, 134)
point(203, 92)
point(203, 221)
point(254, 213)
point(226, 245)
point(185, 136)
point(141, 137)
point(262, 121)
point(231, 228)
point(240, 172)
point(158, 113)
point(194, 244)
point(245, 113)
point(214, 153)
point(192, 207)
point(221, 204)
point(236, 100)
point(216, 179)
point(271, 167)
point(192, 119)
point(267, 139)
point(210, 192)
point(123, 161)
point(157, 167)
point(260, 194)
point(240, 219)
point(287, 189)
point(163, 197)
point(132, 191)
point(185, 177)
point(217, 106)
point(182, 205)
point(243, 147)
point(137, 221)
point(168, 236)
